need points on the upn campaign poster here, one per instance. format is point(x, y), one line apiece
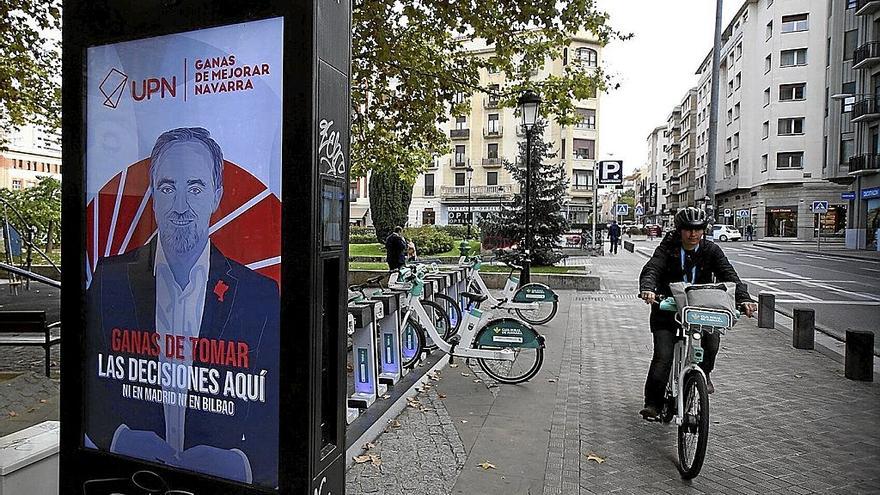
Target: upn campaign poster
point(183, 188)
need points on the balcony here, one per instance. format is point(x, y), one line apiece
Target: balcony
point(458, 163)
point(491, 162)
point(490, 102)
point(581, 190)
point(867, 7)
point(864, 164)
point(727, 184)
point(499, 191)
point(459, 133)
point(492, 132)
point(867, 55)
point(668, 147)
point(865, 110)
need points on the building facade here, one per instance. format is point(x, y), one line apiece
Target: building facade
point(472, 178)
point(854, 87)
point(654, 180)
point(31, 153)
point(672, 165)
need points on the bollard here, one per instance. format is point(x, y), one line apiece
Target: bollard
point(803, 330)
point(766, 310)
point(859, 358)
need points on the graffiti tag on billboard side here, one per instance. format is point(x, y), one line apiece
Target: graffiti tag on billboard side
point(330, 150)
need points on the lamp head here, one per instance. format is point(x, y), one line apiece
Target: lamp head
point(529, 102)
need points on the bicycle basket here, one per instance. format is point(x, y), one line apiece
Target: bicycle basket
point(720, 296)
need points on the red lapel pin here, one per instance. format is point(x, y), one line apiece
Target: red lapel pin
point(220, 290)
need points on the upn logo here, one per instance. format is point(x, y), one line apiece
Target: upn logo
point(112, 87)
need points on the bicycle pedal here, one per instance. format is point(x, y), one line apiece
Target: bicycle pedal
point(451, 359)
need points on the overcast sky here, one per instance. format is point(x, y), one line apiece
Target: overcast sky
point(655, 68)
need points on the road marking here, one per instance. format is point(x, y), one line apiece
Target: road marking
point(871, 269)
point(773, 270)
point(753, 256)
point(842, 303)
point(817, 285)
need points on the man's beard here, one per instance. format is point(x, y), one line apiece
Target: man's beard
point(181, 239)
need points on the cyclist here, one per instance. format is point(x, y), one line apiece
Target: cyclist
point(683, 256)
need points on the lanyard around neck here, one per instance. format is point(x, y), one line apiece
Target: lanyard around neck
point(684, 277)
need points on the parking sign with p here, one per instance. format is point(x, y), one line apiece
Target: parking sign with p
point(610, 172)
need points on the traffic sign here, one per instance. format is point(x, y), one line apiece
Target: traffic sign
point(623, 209)
point(728, 212)
point(610, 172)
point(820, 206)
point(743, 213)
point(640, 210)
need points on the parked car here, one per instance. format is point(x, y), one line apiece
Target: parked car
point(725, 233)
point(654, 230)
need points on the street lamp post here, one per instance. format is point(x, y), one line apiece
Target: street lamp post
point(528, 106)
point(469, 173)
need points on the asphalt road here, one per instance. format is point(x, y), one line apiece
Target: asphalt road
point(845, 293)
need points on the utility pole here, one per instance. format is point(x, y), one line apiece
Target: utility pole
point(713, 112)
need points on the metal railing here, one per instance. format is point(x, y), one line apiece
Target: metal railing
point(866, 55)
point(865, 109)
point(459, 133)
point(491, 162)
point(476, 191)
point(865, 162)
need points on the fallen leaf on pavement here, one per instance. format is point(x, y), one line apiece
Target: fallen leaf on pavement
point(360, 459)
point(43, 401)
point(552, 380)
point(386, 396)
point(442, 396)
point(477, 380)
point(453, 365)
point(395, 424)
point(798, 376)
point(486, 465)
point(369, 445)
point(594, 457)
point(375, 460)
point(465, 374)
point(13, 414)
point(463, 421)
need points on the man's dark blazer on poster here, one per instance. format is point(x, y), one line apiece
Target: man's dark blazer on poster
point(122, 295)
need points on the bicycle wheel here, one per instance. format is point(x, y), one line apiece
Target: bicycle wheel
point(453, 311)
point(441, 323)
point(526, 364)
point(693, 433)
point(413, 342)
point(544, 312)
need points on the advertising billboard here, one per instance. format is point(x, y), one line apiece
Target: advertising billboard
point(183, 250)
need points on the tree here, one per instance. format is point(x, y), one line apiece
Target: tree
point(389, 201)
point(39, 207)
point(546, 197)
point(629, 198)
point(30, 65)
point(409, 62)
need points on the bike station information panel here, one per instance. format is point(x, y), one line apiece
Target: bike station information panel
point(207, 234)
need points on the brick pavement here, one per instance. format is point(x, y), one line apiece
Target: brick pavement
point(782, 421)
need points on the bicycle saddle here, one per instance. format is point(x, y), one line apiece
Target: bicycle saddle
point(478, 298)
point(374, 280)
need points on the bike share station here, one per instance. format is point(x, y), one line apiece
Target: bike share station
point(213, 137)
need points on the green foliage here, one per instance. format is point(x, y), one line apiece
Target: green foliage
point(390, 196)
point(459, 231)
point(361, 235)
point(429, 240)
point(546, 197)
point(628, 197)
point(40, 207)
point(30, 64)
point(409, 62)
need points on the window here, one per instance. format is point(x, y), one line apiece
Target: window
point(429, 184)
point(459, 97)
point(584, 148)
point(850, 4)
point(739, 50)
point(459, 155)
point(459, 179)
point(729, 117)
point(738, 80)
point(766, 97)
point(765, 130)
point(587, 118)
point(850, 40)
point(847, 150)
point(583, 180)
point(736, 167)
point(768, 63)
point(769, 32)
point(795, 23)
point(16, 184)
point(562, 156)
point(565, 56)
point(848, 88)
point(736, 111)
point(729, 143)
point(494, 126)
point(790, 160)
point(729, 88)
point(791, 58)
point(492, 150)
point(588, 57)
point(790, 92)
point(736, 141)
point(764, 163)
point(461, 122)
point(788, 127)
point(491, 178)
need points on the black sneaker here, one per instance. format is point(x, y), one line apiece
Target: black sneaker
point(650, 413)
point(709, 387)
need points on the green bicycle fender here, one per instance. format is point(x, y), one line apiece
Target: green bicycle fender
point(509, 332)
point(535, 293)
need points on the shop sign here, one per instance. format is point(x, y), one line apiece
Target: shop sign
point(870, 193)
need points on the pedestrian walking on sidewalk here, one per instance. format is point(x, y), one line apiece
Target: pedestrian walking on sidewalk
point(683, 255)
point(614, 236)
point(749, 232)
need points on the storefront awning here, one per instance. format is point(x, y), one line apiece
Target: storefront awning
point(357, 213)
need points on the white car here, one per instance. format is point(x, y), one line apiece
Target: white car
point(725, 233)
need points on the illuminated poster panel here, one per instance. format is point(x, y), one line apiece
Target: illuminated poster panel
point(183, 188)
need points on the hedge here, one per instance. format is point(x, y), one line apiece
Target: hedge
point(429, 240)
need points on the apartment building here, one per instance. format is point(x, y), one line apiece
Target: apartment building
point(672, 162)
point(488, 134)
point(30, 154)
point(682, 182)
point(652, 190)
point(853, 115)
point(771, 124)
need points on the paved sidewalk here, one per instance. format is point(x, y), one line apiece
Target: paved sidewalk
point(783, 420)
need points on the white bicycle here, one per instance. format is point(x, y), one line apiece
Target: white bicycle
point(506, 349)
